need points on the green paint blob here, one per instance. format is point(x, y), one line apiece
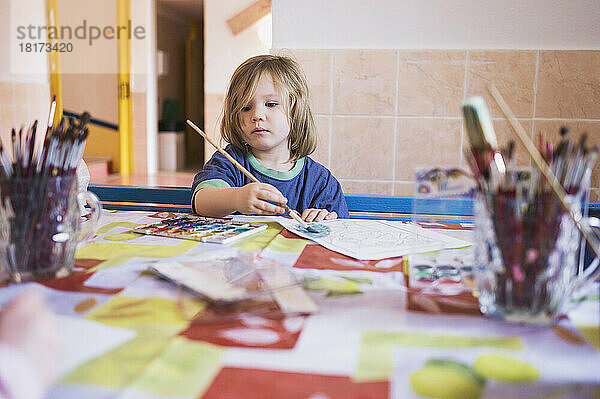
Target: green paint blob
point(314, 230)
point(505, 369)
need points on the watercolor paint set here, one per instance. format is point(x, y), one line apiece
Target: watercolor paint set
point(198, 228)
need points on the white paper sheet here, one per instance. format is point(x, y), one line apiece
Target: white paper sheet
point(83, 340)
point(117, 276)
point(377, 239)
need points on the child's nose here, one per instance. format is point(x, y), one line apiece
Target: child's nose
point(258, 114)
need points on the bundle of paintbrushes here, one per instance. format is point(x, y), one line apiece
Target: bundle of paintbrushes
point(38, 194)
point(527, 242)
point(59, 155)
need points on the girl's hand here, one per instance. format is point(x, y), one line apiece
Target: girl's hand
point(252, 199)
point(317, 215)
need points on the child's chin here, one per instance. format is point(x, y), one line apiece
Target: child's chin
point(261, 146)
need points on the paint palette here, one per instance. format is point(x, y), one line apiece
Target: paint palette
point(199, 228)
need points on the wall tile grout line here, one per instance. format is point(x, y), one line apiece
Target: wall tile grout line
point(330, 118)
point(569, 119)
point(462, 125)
point(535, 90)
point(496, 118)
point(395, 135)
point(392, 116)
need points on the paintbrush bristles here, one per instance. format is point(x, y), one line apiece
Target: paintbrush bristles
point(60, 152)
point(479, 124)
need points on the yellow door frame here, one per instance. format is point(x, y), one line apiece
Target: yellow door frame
point(54, 60)
point(125, 111)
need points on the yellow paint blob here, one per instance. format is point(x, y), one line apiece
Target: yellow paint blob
point(324, 284)
point(122, 236)
point(441, 382)
point(505, 369)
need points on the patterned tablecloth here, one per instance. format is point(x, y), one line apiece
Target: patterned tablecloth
point(380, 331)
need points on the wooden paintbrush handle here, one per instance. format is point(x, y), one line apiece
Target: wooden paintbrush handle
point(530, 147)
point(222, 151)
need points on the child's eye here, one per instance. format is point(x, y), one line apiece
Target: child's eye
point(271, 104)
point(246, 108)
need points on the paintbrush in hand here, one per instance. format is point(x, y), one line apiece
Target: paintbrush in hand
point(295, 215)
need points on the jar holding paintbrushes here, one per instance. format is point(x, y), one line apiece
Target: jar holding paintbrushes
point(42, 225)
point(526, 251)
point(527, 237)
point(40, 215)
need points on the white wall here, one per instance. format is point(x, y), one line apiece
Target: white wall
point(437, 24)
point(223, 51)
point(90, 69)
point(17, 66)
point(143, 51)
point(5, 31)
point(143, 75)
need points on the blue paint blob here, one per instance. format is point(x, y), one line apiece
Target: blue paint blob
point(315, 230)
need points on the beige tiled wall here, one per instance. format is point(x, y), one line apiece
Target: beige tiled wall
point(20, 105)
point(381, 113)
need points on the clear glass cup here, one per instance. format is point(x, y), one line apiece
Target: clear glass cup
point(525, 262)
point(41, 225)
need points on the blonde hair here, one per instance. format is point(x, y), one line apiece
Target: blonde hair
point(289, 79)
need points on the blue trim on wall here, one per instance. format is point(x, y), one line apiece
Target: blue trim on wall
point(94, 121)
point(406, 204)
point(146, 208)
point(154, 198)
point(152, 195)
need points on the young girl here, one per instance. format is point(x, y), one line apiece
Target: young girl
point(270, 130)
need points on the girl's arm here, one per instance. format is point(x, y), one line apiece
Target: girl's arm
point(211, 201)
point(251, 199)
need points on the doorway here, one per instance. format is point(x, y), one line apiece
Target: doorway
point(180, 87)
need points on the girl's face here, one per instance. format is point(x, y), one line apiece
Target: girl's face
point(264, 122)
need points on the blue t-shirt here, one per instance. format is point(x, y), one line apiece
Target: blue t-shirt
point(308, 185)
